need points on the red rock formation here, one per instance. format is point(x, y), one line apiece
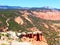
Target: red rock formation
point(48, 15)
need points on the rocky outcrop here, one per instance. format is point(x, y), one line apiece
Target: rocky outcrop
point(34, 39)
point(19, 20)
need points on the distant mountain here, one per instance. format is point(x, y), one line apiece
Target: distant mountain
point(10, 7)
point(43, 8)
point(27, 8)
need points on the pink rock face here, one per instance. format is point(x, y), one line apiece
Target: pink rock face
point(48, 15)
point(19, 20)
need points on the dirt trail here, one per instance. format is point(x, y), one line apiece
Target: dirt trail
point(7, 21)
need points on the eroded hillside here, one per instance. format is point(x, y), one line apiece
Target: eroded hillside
point(28, 20)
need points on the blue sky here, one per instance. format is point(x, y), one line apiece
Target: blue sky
point(31, 3)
